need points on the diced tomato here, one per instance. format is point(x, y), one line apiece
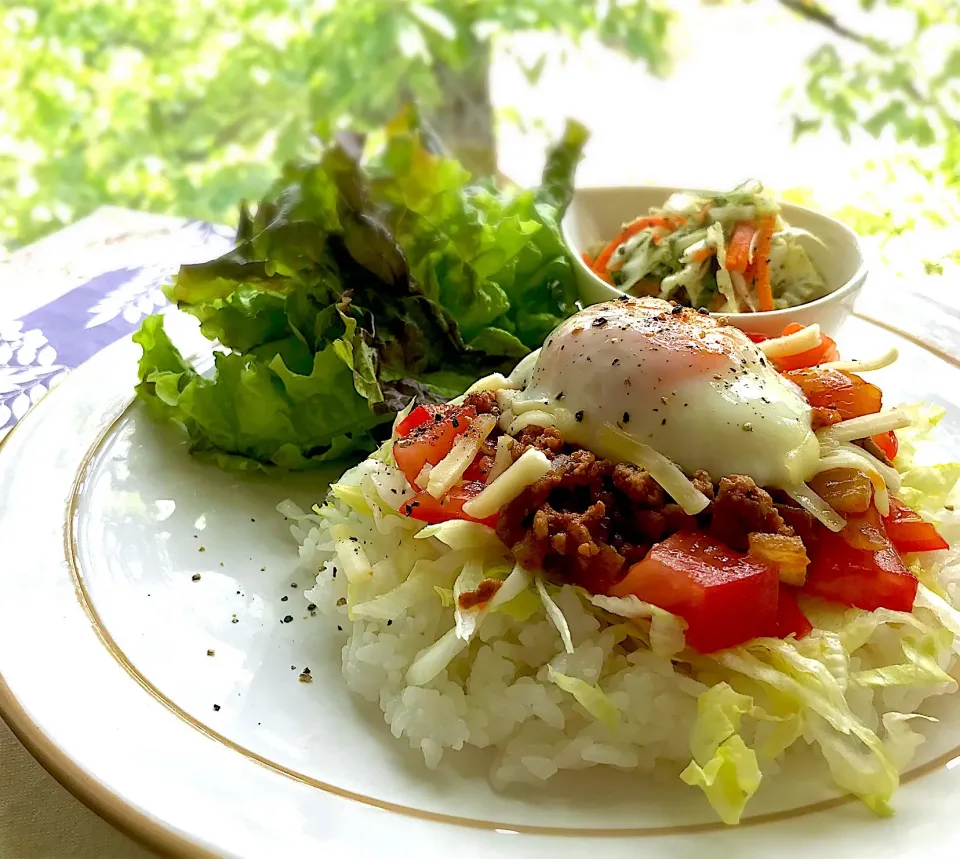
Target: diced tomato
point(756, 338)
point(426, 508)
point(909, 533)
point(725, 597)
point(790, 617)
point(430, 440)
point(888, 443)
point(825, 350)
point(479, 468)
point(838, 391)
point(859, 566)
point(421, 414)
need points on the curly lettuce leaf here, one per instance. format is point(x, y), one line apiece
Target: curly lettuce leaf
point(495, 259)
point(253, 414)
point(356, 288)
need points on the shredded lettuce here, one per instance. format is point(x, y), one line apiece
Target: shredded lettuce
point(592, 698)
point(723, 766)
point(462, 534)
point(555, 614)
point(522, 607)
point(434, 658)
point(666, 629)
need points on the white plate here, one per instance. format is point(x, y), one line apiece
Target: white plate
point(106, 678)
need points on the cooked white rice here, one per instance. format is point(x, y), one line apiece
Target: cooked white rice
point(509, 689)
point(496, 693)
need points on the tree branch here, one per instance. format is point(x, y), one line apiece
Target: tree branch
point(821, 16)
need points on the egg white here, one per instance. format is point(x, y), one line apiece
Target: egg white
point(696, 391)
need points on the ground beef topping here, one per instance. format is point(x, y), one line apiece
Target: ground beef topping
point(485, 592)
point(588, 519)
point(485, 402)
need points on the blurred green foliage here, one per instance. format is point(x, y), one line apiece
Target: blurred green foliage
point(186, 106)
point(902, 85)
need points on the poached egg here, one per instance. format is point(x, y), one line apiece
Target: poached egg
point(696, 391)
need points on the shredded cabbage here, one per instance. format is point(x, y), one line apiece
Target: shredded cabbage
point(723, 766)
point(592, 698)
point(462, 534)
point(555, 615)
point(666, 629)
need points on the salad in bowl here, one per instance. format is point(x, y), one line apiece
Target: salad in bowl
point(759, 263)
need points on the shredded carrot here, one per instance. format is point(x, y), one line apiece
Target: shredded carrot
point(603, 258)
point(762, 263)
point(738, 252)
point(703, 253)
point(586, 258)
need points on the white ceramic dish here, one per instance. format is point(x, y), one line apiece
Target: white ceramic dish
point(105, 677)
point(596, 214)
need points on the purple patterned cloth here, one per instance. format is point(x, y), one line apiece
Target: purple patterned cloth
point(93, 308)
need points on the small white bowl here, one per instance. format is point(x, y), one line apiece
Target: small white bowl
point(596, 214)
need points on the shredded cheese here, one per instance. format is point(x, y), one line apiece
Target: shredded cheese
point(503, 459)
point(791, 344)
point(424, 476)
point(537, 417)
point(890, 475)
point(885, 360)
point(665, 472)
point(528, 469)
point(465, 449)
point(862, 427)
point(493, 382)
point(813, 503)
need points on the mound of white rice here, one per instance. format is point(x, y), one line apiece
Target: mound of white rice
point(496, 692)
point(618, 692)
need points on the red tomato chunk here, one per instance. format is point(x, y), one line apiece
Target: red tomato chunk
point(859, 567)
point(430, 440)
point(909, 533)
point(426, 508)
point(790, 617)
point(725, 597)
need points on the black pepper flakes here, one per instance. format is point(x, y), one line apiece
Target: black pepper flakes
point(284, 598)
point(211, 652)
point(312, 607)
point(579, 416)
point(216, 708)
point(195, 577)
point(288, 618)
